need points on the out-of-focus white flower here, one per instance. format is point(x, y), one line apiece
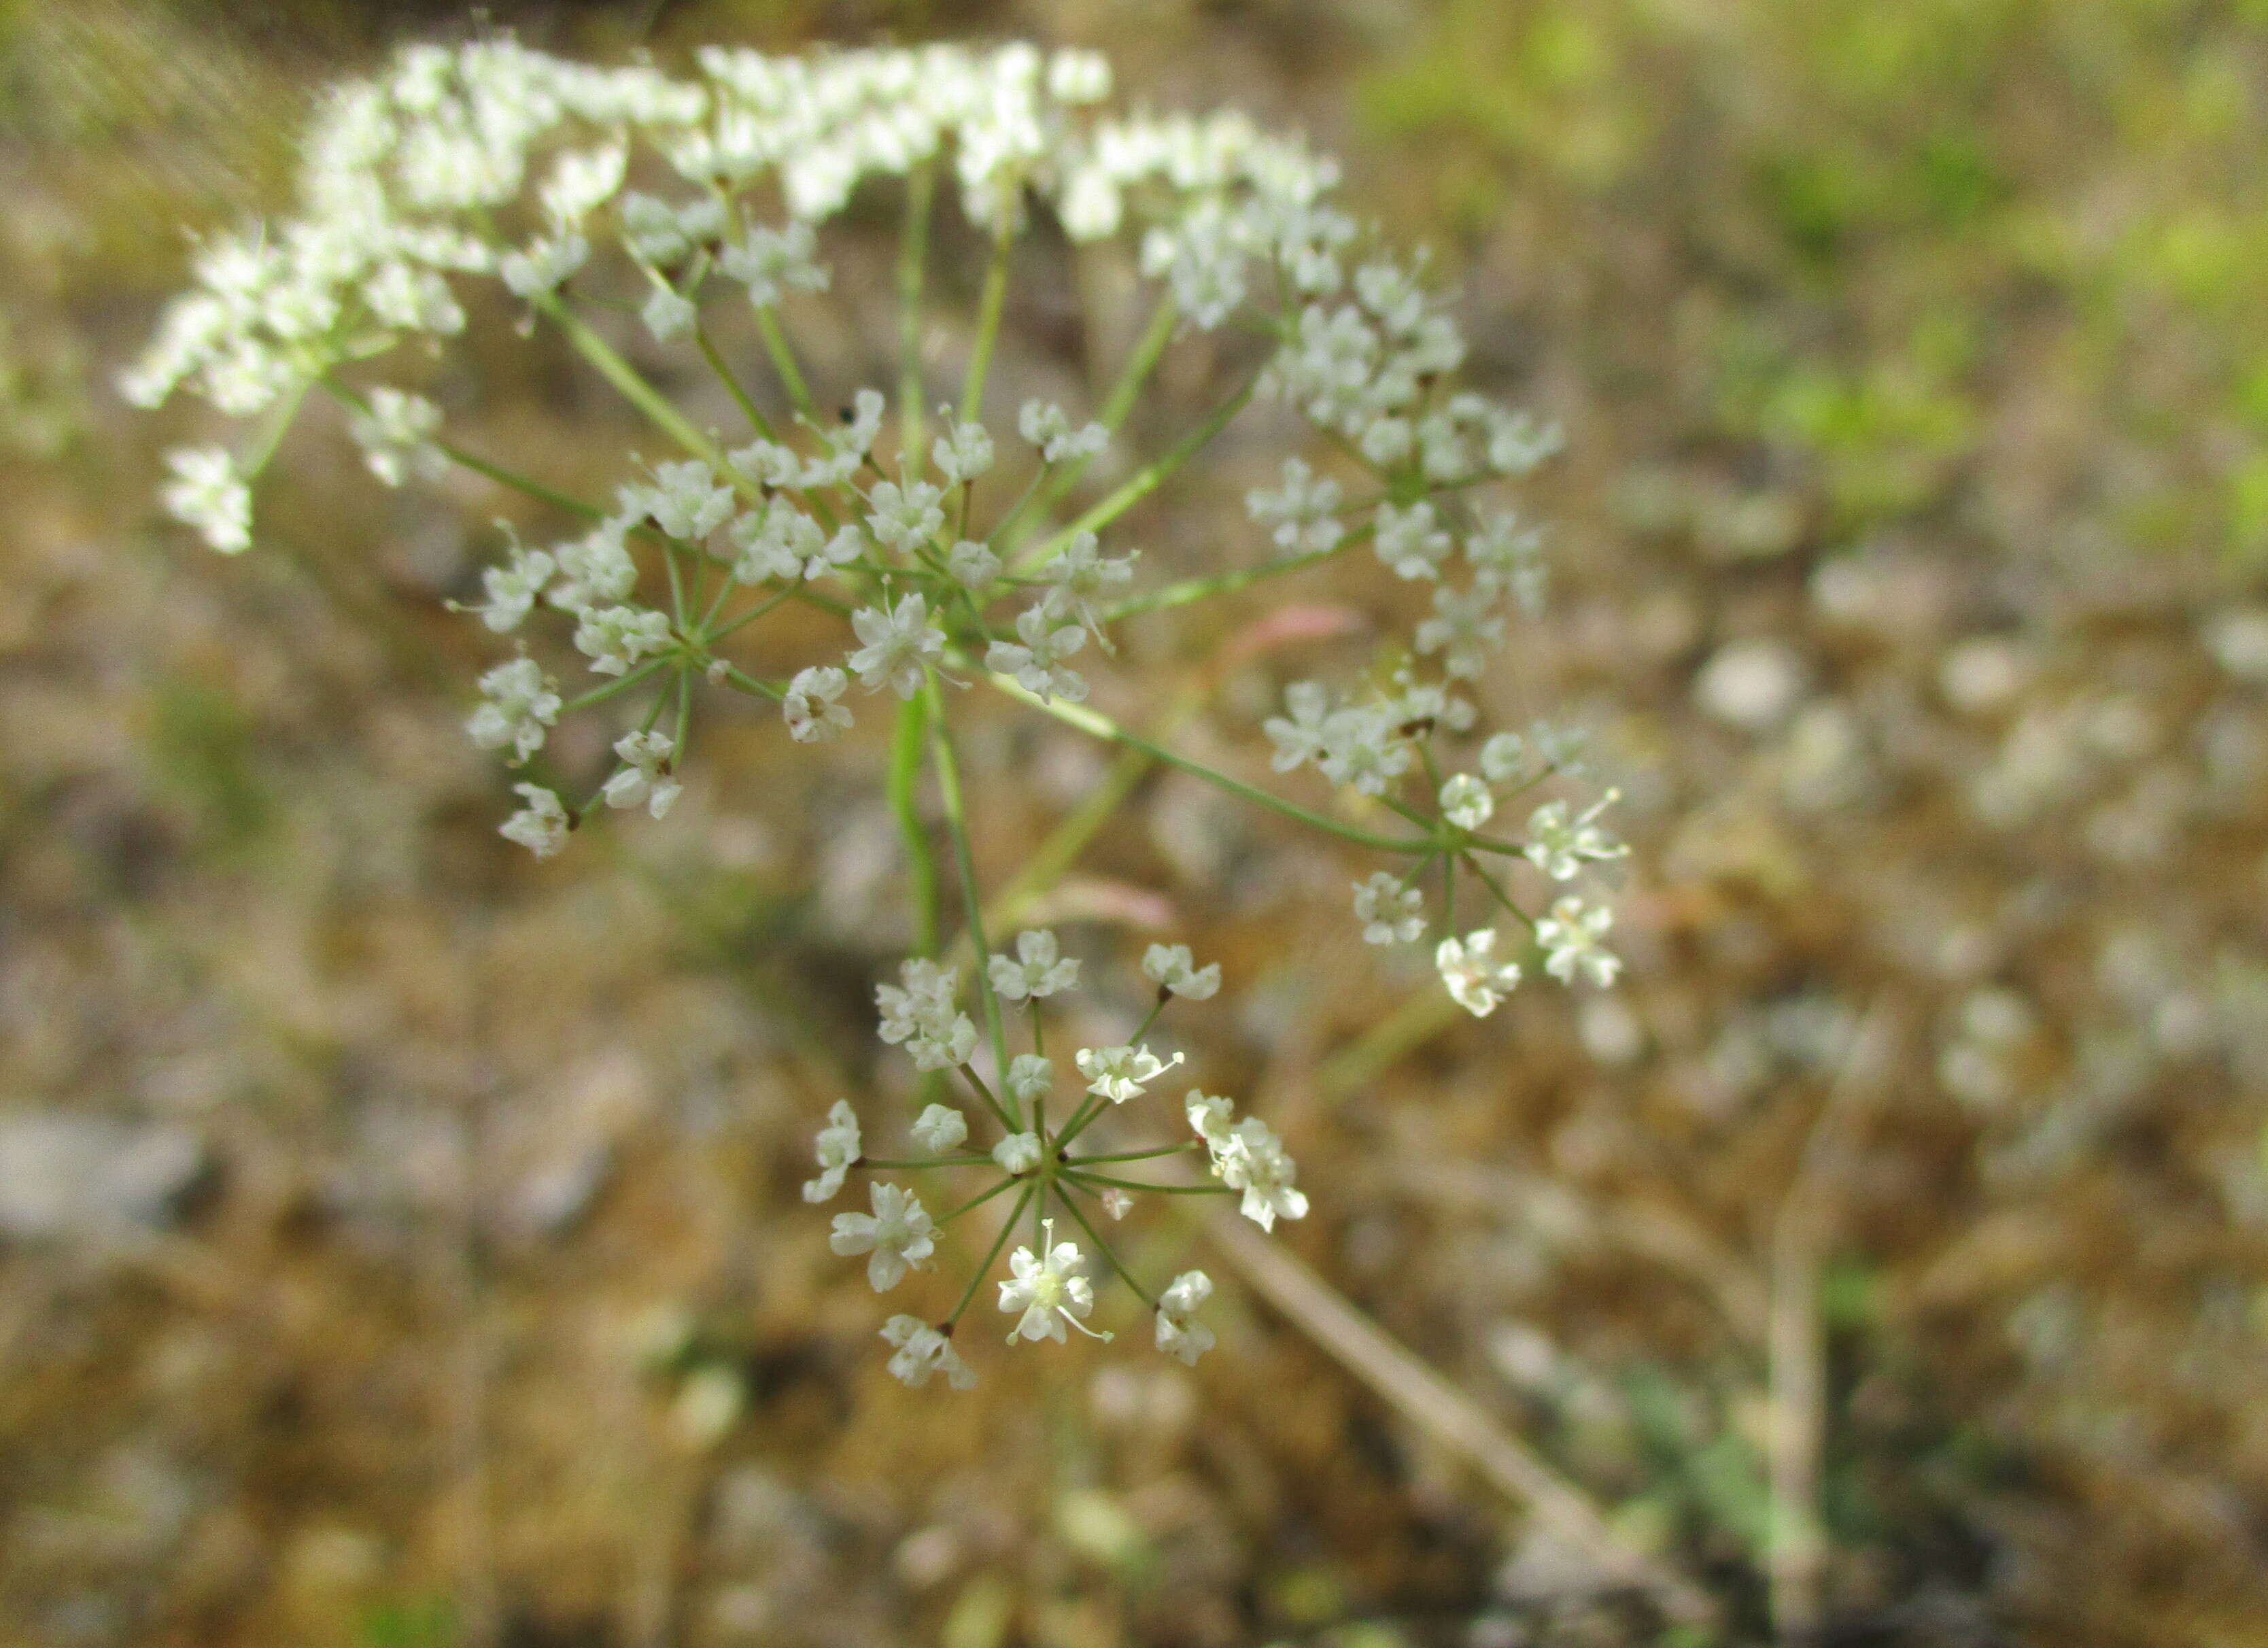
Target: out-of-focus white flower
point(1178, 1336)
point(1570, 935)
point(1171, 968)
point(206, 493)
point(1478, 981)
point(836, 1150)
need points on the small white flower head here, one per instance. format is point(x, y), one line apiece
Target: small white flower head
point(1078, 76)
point(1570, 935)
point(898, 1235)
point(614, 638)
point(1560, 846)
point(964, 451)
point(943, 1045)
point(1248, 1156)
point(920, 1351)
point(973, 564)
point(836, 1150)
point(772, 262)
point(940, 1127)
point(668, 314)
point(396, 436)
point(1036, 971)
point(1410, 541)
point(596, 569)
point(1031, 1077)
point(904, 518)
point(540, 826)
point(1386, 442)
point(1299, 737)
point(538, 269)
point(922, 1004)
point(1080, 573)
point(519, 702)
point(1050, 1292)
point(1504, 757)
point(1043, 425)
point(1124, 1072)
point(1389, 912)
point(1178, 1336)
point(1466, 802)
point(511, 589)
point(644, 777)
point(1171, 968)
point(1037, 662)
point(1300, 513)
point(861, 422)
point(1465, 628)
point(206, 493)
point(686, 499)
point(900, 642)
point(582, 181)
point(810, 707)
point(1507, 556)
point(1116, 1202)
point(1017, 1154)
point(1364, 746)
point(1477, 981)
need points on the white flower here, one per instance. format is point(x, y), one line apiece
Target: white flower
point(1518, 443)
point(1120, 1073)
point(921, 1350)
point(771, 262)
point(1035, 972)
point(1363, 746)
point(1116, 1202)
point(1504, 757)
point(1466, 802)
point(897, 1233)
point(517, 703)
point(923, 1004)
point(1507, 558)
point(1177, 1335)
point(904, 518)
point(511, 589)
point(540, 826)
point(1300, 737)
point(1476, 981)
point(596, 568)
point(658, 234)
point(686, 499)
point(1079, 573)
point(1037, 664)
point(1570, 935)
point(1300, 511)
point(1390, 912)
point(1248, 1156)
point(1018, 1153)
point(973, 564)
point(615, 637)
point(207, 493)
point(836, 1149)
point(781, 541)
point(537, 270)
point(1031, 1077)
point(940, 1127)
point(963, 453)
point(1465, 628)
point(1409, 541)
point(396, 435)
point(900, 642)
point(810, 709)
point(1172, 967)
point(1043, 425)
point(942, 1046)
point(668, 314)
point(1079, 76)
point(1049, 1291)
point(645, 774)
point(1559, 846)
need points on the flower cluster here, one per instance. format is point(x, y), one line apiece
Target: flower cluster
point(1049, 1292)
point(948, 549)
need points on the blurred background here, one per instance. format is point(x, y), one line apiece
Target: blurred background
point(399, 1240)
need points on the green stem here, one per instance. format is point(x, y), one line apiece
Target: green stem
point(908, 1163)
point(632, 386)
point(1096, 724)
point(271, 436)
point(599, 695)
point(757, 421)
point(956, 822)
point(906, 747)
point(747, 683)
point(999, 1243)
point(977, 1201)
point(1195, 589)
point(913, 253)
point(1095, 1236)
point(776, 345)
point(1080, 1176)
point(1145, 480)
point(989, 307)
point(1186, 1146)
point(1116, 404)
point(1502, 897)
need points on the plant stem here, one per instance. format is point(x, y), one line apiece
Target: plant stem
point(1096, 724)
point(776, 345)
point(1141, 1155)
point(989, 307)
point(956, 822)
point(1081, 1176)
point(999, 1243)
point(633, 387)
point(757, 421)
point(906, 747)
point(1095, 1236)
point(976, 1201)
point(913, 253)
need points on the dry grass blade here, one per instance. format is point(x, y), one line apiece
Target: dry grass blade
point(1445, 1414)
